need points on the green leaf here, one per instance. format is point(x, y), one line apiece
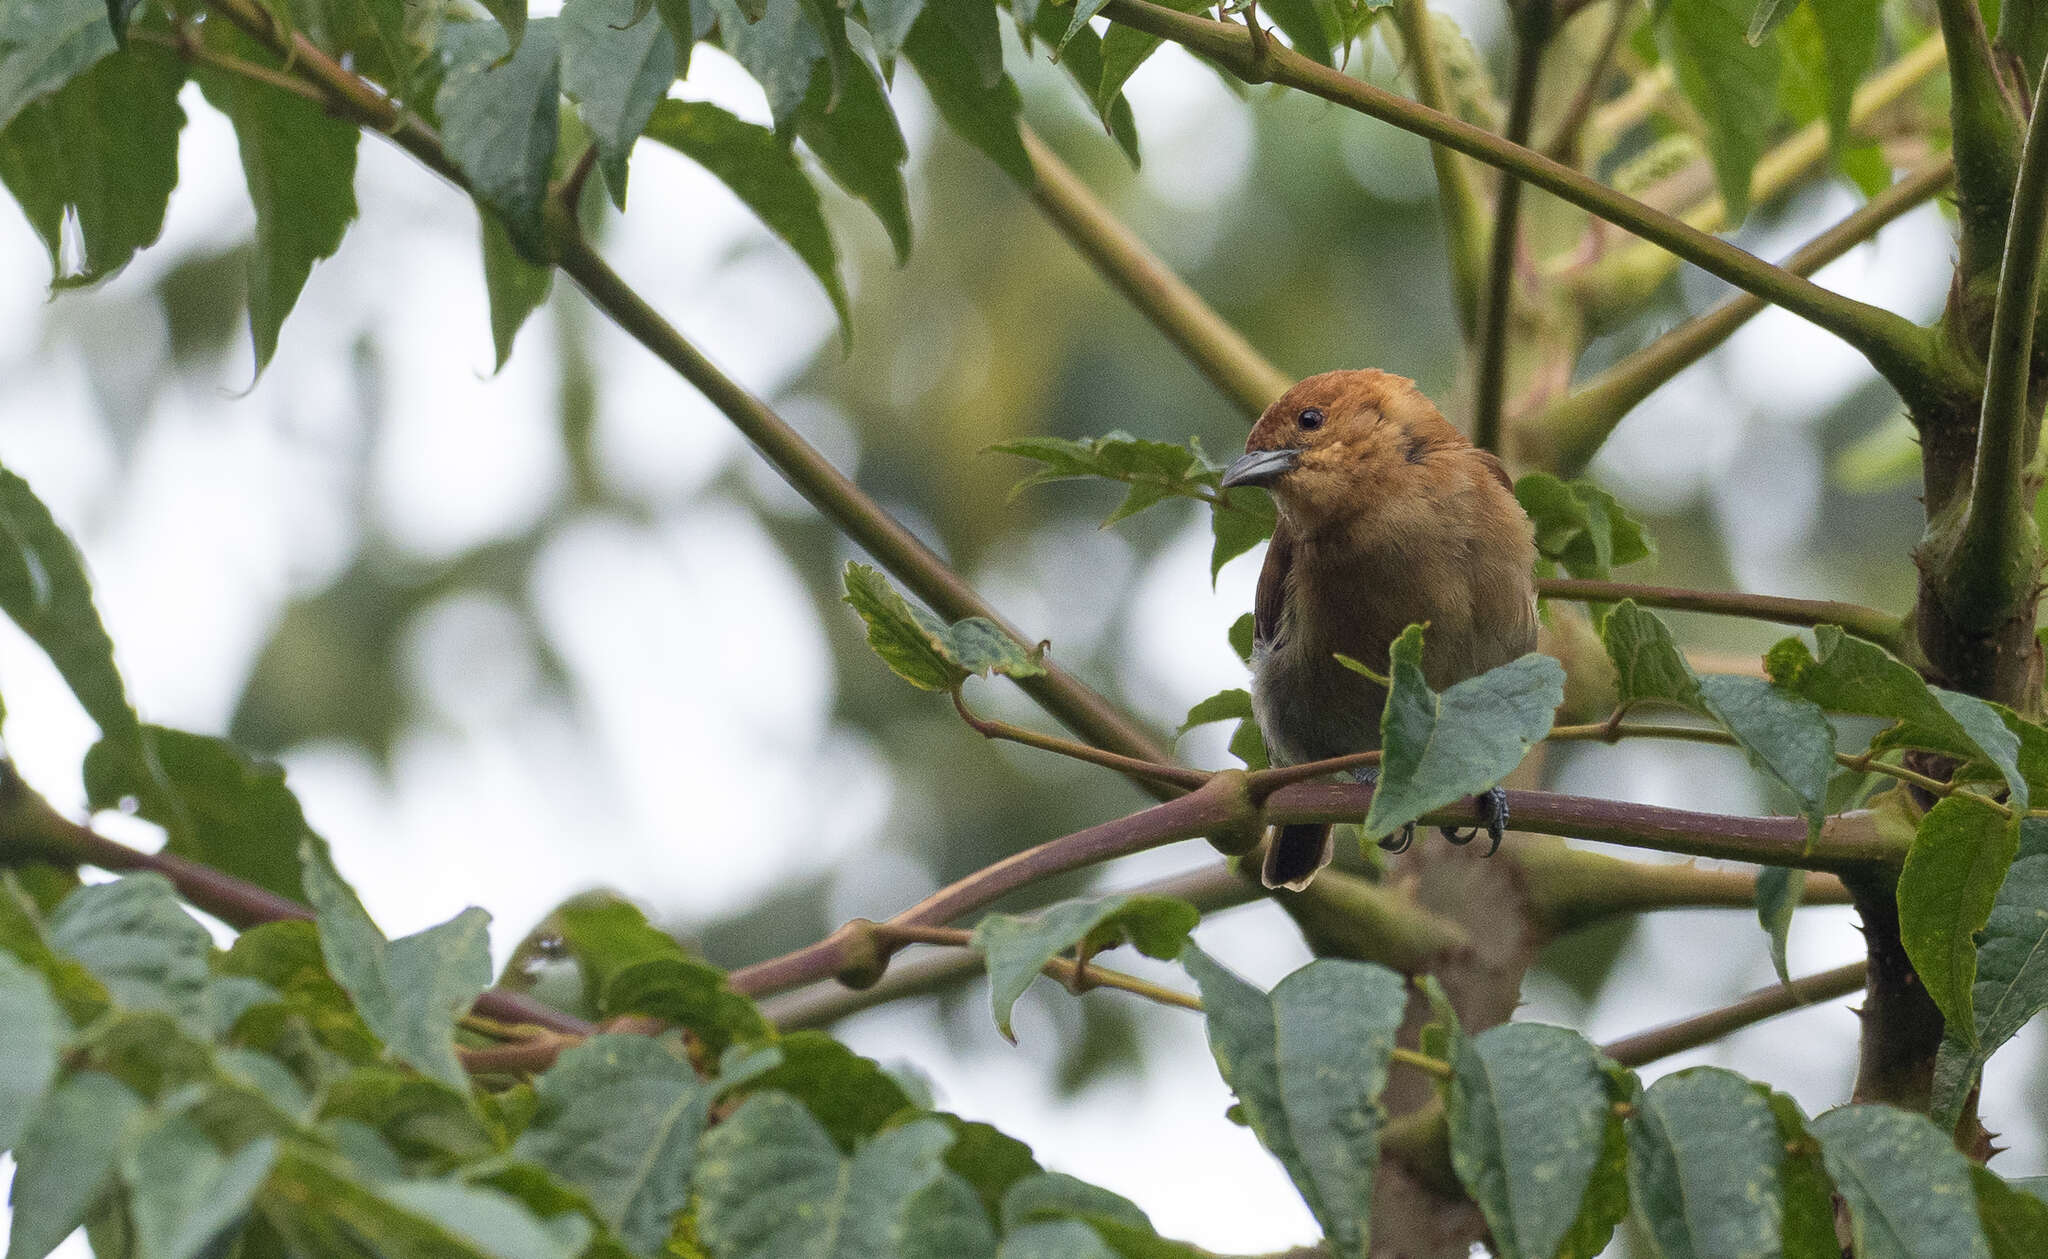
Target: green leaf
point(1533, 1131)
point(981, 110)
point(1240, 522)
point(1808, 1195)
point(1016, 949)
point(45, 44)
point(216, 805)
point(44, 589)
point(781, 47)
point(1247, 743)
point(889, 23)
point(83, 997)
point(1785, 736)
point(770, 1184)
point(499, 123)
point(618, 1117)
point(516, 287)
point(631, 967)
point(1124, 49)
point(1049, 1197)
point(299, 161)
point(1779, 890)
point(185, 1194)
point(617, 67)
point(1833, 44)
point(1852, 676)
point(855, 138)
point(1580, 527)
point(135, 938)
point(1907, 1187)
point(1959, 858)
point(1703, 1166)
point(32, 1035)
point(511, 15)
point(66, 1158)
point(763, 174)
point(1243, 631)
point(1081, 58)
point(1442, 748)
point(322, 1207)
point(2012, 970)
point(852, 1096)
point(1766, 16)
point(2015, 1222)
point(1731, 82)
point(1055, 1239)
point(1308, 1063)
point(410, 991)
point(101, 154)
point(923, 650)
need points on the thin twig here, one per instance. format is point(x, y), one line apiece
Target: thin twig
point(1532, 35)
point(1176, 775)
point(1646, 1047)
point(1458, 200)
point(1563, 145)
point(1879, 627)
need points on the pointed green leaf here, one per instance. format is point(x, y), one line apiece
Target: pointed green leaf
point(856, 139)
point(852, 1096)
point(889, 23)
point(618, 1117)
point(923, 650)
point(66, 1158)
point(1049, 1197)
point(1124, 49)
point(1240, 522)
point(299, 161)
point(82, 997)
point(1442, 748)
point(1242, 633)
point(1308, 1064)
point(765, 175)
point(617, 67)
point(325, 1207)
point(1081, 58)
point(1533, 1129)
point(136, 938)
point(1055, 1239)
point(499, 122)
point(1580, 527)
point(186, 1195)
point(1785, 736)
point(1246, 742)
point(631, 967)
point(2012, 970)
point(770, 1184)
point(1959, 858)
point(101, 154)
point(1779, 890)
point(2015, 1222)
point(981, 111)
point(1704, 1155)
point(1733, 84)
point(1906, 1185)
point(217, 806)
point(1833, 44)
point(411, 990)
point(781, 49)
point(516, 287)
point(44, 44)
point(32, 1035)
point(511, 15)
point(1016, 949)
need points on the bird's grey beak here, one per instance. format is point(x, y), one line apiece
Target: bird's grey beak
point(1260, 467)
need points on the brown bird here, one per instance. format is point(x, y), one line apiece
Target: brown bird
point(1387, 517)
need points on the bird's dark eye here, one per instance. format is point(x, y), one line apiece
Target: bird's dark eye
point(1311, 418)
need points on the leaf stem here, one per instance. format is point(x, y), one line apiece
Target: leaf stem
point(1565, 144)
point(1131, 766)
point(1901, 351)
point(1993, 566)
point(1217, 350)
point(1566, 434)
point(1531, 20)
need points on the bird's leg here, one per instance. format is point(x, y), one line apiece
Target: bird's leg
point(1399, 843)
point(1492, 805)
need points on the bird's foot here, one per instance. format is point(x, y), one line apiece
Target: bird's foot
point(1399, 843)
point(1493, 817)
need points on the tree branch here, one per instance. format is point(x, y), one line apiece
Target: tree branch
point(1457, 194)
point(1881, 628)
point(1986, 137)
point(1564, 436)
point(1904, 353)
point(1216, 349)
point(1571, 888)
point(1531, 20)
point(1765, 1003)
point(1994, 565)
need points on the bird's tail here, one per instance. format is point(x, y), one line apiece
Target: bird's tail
point(1297, 851)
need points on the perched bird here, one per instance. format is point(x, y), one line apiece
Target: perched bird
point(1387, 517)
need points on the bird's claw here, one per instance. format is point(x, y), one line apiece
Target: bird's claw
point(1493, 818)
point(1399, 843)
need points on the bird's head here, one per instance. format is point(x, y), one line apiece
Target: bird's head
point(1345, 443)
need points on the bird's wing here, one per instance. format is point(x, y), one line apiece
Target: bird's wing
point(1495, 466)
point(1271, 600)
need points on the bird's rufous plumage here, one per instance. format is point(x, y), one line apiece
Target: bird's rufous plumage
point(1388, 517)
